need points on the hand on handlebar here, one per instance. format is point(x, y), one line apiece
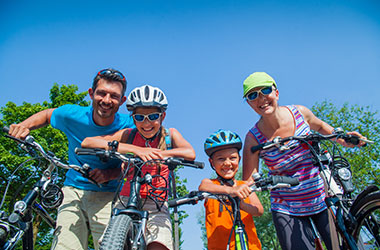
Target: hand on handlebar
point(242, 191)
point(356, 140)
point(147, 154)
point(18, 131)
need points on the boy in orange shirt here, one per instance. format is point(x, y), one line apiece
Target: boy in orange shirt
point(223, 148)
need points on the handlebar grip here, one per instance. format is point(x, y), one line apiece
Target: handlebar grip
point(353, 139)
point(293, 181)
point(191, 198)
point(5, 129)
point(173, 162)
point(196, 164)
point(85, 151)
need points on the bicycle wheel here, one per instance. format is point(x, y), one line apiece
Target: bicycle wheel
point(119, 234)
point(367, 213)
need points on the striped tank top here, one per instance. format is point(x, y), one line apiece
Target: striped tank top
point(308, 197)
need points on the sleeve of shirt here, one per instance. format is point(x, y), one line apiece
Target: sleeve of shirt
point(59, 115)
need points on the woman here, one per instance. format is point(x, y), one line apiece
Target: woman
point(291, 208)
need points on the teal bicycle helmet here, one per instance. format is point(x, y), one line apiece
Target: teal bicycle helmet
point(222, 139)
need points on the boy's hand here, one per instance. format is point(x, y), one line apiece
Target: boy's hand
point(242, 191)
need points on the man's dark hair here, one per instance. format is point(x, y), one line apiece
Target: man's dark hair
point(110, 74)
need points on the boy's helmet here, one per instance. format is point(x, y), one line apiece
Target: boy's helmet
point(222, 139)
point(147, 96)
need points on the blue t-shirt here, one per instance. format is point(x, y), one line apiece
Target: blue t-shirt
point(77, 123)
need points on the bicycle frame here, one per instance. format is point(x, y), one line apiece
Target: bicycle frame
point(133, 208)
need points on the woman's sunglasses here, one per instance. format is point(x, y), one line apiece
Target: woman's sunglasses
point(151, 117)
point(265, 91)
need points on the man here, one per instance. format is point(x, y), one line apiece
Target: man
point(86, 207)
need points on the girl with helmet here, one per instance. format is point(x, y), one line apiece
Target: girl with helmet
point(291, 209)
point(223, 148)
point(149, 140)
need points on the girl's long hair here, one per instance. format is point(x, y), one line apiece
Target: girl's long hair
point(162, 143)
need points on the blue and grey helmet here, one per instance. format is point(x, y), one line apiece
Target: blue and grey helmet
point(222, 139)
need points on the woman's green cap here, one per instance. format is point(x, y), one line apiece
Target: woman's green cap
point(257, 79)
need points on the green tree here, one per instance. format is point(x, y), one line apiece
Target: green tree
point(12, 156)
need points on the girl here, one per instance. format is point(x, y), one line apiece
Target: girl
point(292, 208)
point(149, 141)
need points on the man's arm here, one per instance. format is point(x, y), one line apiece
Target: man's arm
point(35, 121)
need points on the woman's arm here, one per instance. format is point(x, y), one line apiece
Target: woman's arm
point(181, 147)
point(250, 160)
point(322, 127)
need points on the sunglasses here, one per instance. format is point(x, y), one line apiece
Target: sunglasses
point(111, 72)
point(253, 95)
point(151, 117)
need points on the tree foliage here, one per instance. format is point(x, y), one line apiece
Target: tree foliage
point(11, 155)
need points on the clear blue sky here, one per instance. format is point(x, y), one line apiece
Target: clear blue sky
point(198, 52)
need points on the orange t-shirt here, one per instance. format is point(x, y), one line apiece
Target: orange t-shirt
point(219, 225)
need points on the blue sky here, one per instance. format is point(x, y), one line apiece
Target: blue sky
point(199, 53)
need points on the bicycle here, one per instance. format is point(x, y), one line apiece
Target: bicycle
point(19, 224)
point(356, 219)
point(261, 184)
point(126, 229)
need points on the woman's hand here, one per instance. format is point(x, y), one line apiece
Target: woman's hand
point(350, 145)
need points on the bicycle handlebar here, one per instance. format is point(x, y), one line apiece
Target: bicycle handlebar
point(278, 141)
point(269, 183)
point(172, 162)
point(29, 142)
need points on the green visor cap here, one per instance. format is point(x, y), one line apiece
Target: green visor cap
point(257, 79)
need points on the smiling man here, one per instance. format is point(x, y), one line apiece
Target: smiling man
point(86, 207)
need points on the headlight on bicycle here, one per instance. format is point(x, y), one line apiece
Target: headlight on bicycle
point(344, 174)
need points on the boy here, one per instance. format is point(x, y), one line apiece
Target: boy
point(223, 148)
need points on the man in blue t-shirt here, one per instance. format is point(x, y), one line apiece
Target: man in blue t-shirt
point(86, 207)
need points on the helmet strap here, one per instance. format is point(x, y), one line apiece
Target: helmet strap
point(227, 182)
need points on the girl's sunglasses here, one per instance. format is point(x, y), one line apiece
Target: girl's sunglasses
point(265, 91)
point(151, 117)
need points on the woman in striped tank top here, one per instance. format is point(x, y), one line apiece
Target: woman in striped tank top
point(291, 207)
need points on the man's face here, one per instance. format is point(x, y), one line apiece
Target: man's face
point(106, 100)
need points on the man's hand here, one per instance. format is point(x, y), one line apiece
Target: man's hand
point(18, 131)
point(104, 175)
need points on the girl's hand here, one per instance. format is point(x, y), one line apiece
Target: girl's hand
point(147, 154)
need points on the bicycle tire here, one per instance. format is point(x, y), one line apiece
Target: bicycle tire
point(367, 214)
point(119, 233)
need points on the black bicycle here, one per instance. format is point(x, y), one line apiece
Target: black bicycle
point(45, 194)
point(232, 204)
point(126, 229)
point(356, 219)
